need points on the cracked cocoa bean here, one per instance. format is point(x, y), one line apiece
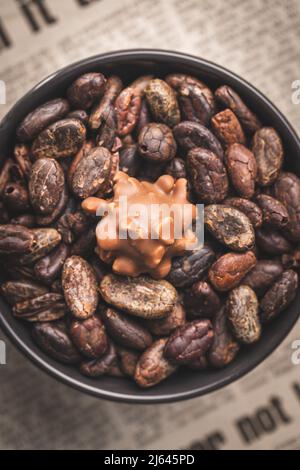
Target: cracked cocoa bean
point(190, 135)
point(274, 212)
point(224, 348)
point(86, 90)
point(287, 191)
point(227, 128)
point(263, 275)
point(18, 291)
point(128, 107)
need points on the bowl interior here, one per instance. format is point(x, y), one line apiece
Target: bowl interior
point(129, 65)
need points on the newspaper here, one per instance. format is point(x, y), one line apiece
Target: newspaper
point(258, 40)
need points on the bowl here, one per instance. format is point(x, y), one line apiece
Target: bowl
point(129, 64)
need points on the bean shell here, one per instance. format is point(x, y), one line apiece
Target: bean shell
point(141, 296)
point(242, 310)
point(80, 287)
point(152, 366)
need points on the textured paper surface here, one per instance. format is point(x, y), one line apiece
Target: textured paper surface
point(258, 40)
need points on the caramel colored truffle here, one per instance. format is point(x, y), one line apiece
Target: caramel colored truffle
point(144, 239)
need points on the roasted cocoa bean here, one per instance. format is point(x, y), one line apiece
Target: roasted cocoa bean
point(195, 99)
point(16, 198)
point(165, 326)
point(190, 135)
point(128, 361)
point(101, 109)
point(230, 227)
point(46, 185)
point(89, 337)
point(19, 291)
point(53, 338)
point(129, 160)
point(229, 98)
point(263, 275)
point(249, 208)
point(141, 296)
point(162, 101)
point(241, 165)
point(23, 158)
point(80, 287)
point(15, 239)
point(279, 296)
point(274, 212)
point(86, 90)
point(272, 242)
point(287, 191)
point(189, 342)
point(125, 331)
point(49, 268)
point(224, 348)
point(156, 143)
point(227, 128)
point(152, 367)
point(62, 139)
point(176, 168)
point(42, 117)
point(190, 268)
point(44, 241)
point(128, 107)
point(242, 311)
point(229, 270)
point(207, 175)
point(98, 367)
point(201, 301)
point(47, 307)
point(268, 152)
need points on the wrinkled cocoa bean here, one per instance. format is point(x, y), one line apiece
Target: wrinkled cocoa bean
point(207, 175)
point(156, 143)
point(89, 337)
point(224, 348)
point(152, 367)
point(85, 90)
point(274, 212)
point(189, 342)
point(128, 107)
point(287, 191)
point(263, 275)
point(126, 331)
point(228, 128)
point(98, 367)
point(190, 135)
point(241, 165)
point(201, 301)
point(279, 296)
point(18, 291)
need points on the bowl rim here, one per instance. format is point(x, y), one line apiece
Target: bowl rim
point(146, 54)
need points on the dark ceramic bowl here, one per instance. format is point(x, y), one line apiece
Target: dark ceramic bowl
point(129, 65)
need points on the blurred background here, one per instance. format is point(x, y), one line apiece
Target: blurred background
point(259, 40)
